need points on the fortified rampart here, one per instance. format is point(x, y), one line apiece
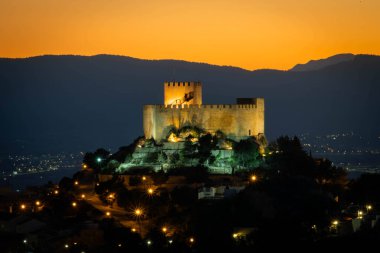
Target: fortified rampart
point(237, 121)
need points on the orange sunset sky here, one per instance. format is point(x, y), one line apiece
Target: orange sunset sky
point(250, 34)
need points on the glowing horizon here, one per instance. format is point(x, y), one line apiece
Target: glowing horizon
point(250, 34)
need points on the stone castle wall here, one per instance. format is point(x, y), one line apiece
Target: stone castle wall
point(237, 121)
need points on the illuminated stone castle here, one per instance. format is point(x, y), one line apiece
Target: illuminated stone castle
point(183, 107)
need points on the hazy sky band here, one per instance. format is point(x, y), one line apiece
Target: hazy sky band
point(250, 34)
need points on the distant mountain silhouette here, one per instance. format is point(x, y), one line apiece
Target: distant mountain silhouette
point(322, 63)
point(72, 103)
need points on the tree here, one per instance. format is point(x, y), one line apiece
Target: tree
point(162, 158)
point(206, 144)
point(246, 153)
point(126, 151)
point(289, 158)
point(332, 178)
point(96, 160)
point(366, 189)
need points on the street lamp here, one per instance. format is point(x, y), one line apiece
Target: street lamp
point(253, 178)
point(150, 191)
point(99, 159)
point(138, 212)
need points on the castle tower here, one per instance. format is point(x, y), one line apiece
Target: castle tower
point(182, 93)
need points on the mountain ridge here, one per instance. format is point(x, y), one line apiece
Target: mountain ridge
point(81, 103)
point(311, 65)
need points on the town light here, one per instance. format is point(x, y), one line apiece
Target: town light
point(191, 240)
point(99, 159)
point(23, 206)
point(74, 204)
point(253, 178)
point(360, 214)
point(164, 229)
point(149, 242)
point(133, 230)
point(38, 203)
point(83, 196)
point(56, 192)
point(143, 178)
point(150, 191)
point(335, 222)
point(235, 235)
point(84, 166)
point(108, 214)
point(369, 207)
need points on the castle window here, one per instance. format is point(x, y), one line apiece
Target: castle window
point(188, 84)
point(183, 84)
point(249, 132)
point(169, 84)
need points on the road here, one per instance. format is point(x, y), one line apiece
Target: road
point(116, 212)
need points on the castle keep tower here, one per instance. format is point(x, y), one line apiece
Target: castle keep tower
point(177, 93)
point(183, 107)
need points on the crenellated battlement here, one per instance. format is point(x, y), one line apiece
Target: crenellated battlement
point(206, 106)
point(181, 84)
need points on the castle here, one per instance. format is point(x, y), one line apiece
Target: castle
point(183, 107)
